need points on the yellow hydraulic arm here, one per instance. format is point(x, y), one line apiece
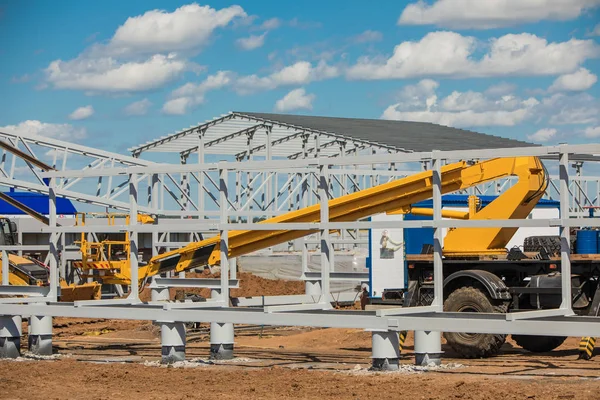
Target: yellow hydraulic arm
point(396, 196)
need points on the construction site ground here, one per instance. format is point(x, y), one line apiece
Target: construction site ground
point(118, 359)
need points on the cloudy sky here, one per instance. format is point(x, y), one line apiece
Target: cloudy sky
point(113, 74)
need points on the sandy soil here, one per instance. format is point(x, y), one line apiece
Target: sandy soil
point(112, 359)
point(250, 285)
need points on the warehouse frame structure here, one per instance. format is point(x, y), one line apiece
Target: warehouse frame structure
point(243, 192)
point(559, 321)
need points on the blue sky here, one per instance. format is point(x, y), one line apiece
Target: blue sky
point(114, 74)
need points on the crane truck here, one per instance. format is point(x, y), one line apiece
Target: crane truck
point(480, 275)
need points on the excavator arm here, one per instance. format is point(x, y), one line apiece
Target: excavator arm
point(395, 196)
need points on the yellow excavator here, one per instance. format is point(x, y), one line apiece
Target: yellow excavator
point(25, 270)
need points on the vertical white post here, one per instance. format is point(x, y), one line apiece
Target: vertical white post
point(154, 190)
point(438, 274)
point(20, 239)
point(5, 267)
point(428, 344)
point(53, 265)
point(62, 273)
point(222, 334)
point(565, 234)
point(201, 135)
point(224, 233)
point(270, 185)
point(185, 194)
point(326, 250)
point(133, 236)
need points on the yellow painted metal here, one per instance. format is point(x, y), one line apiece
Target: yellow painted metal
point(84, 291)
point(15, 275)
point(110, 257)
point(428, 212)
point(516, 202)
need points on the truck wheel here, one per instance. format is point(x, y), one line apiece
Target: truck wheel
point(473, 345)
point(539, 344)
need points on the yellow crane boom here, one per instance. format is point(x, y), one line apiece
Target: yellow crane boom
point(392, 197)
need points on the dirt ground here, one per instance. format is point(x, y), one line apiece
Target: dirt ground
point(112, 359)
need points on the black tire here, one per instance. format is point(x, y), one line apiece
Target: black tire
point(539, 344)
point(535, 244)
point(473, 345)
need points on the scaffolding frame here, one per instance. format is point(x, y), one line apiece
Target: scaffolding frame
point(559, 322)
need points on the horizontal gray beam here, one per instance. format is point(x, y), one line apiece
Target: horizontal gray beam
point(441, 322)
point(338, 276)
point(10, 290)
point(192, 283)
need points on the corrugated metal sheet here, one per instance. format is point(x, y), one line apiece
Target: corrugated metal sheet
point(38, 202)
point(407, 135)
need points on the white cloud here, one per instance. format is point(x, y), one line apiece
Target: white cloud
point(478, 14)
point(543, 135)
point(251, 42)
point(501, 89)
point(138, 107)
point(578, 81)
point(459, 109)
point(186, 29)
point(459, 119)
point(299, 73)
point(82, 113)
point(56, 131)
point(577, 109)
point(453, 55)
point(368, 36)
point(109, 75)
point(190, 94)
point(178, 106)
point(295, 100)
point(146, 52)
point(592, 132)
point(270, 24)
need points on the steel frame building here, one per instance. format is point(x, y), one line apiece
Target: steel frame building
point(238, 186)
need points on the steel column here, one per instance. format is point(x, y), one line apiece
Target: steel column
point(40, 335)
point(386, 350)
point(565, 234)
point(221, 334)
point(133, 237)
point(172, 341)
point(10, 336)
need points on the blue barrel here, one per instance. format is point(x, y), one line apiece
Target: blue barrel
point(587, 242)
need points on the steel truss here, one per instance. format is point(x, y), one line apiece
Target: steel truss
point(560, 321)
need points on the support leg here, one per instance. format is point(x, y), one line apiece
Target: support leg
point(428, 348)
point(40, 335)
point(386, 351)
point(172, 337)
point(313, 288)
point(221, 336)
point(10, 336)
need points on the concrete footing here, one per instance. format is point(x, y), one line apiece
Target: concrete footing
point(386, 351)
point(221, 341)
point(313, 288)
point(159, 294)
point(428, 348)
point(40, 335)
point(10, 336)
point(221, 336)
point(172, 341)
